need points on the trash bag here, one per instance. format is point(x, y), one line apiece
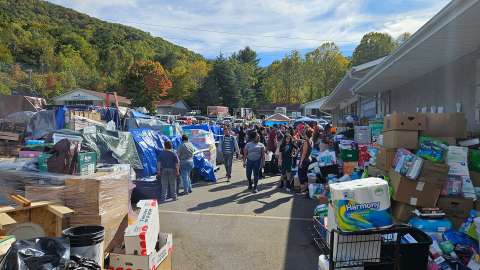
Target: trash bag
point(45, 253)
point(81, 263)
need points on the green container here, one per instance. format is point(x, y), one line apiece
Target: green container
point(86, 163)
point(349, 155)
point(42, 162)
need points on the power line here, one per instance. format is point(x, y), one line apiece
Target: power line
point(251, 45)
point(228, 33)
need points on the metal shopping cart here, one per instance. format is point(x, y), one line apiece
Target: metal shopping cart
point(399, 247)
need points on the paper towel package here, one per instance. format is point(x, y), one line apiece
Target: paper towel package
point(361, 204)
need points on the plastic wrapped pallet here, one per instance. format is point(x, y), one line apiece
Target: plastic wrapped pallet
point(97, 199)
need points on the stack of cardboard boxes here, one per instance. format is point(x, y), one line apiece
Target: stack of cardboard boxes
point(402, 130)
point(145, 247)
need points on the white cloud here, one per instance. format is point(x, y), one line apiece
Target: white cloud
point(308, 22)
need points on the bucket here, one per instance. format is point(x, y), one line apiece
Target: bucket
point(86, 241)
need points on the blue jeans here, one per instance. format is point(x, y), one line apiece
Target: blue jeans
point(253, 166)
point(186, 167)
point(228, 161)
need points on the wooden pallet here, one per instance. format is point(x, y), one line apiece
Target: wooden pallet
point(48, 215)
point(9, 136)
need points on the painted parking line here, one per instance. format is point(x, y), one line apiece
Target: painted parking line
point(234, 215)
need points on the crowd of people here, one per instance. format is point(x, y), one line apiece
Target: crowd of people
point(276, 150)
point(264, 150)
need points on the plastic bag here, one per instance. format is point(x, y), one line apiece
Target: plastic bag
point(432, 149)
point(46, 253)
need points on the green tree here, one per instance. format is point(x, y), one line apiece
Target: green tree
point(146, 82)
point(373, 45)
point(187, 78)
point(402, 38)
point(325, 67)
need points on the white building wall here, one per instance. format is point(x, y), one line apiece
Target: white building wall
point(455, 83)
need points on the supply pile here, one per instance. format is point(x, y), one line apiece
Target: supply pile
point(431, 165)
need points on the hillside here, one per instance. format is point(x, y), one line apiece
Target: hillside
point(67, 49)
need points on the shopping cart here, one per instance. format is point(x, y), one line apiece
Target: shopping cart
point(399, 247)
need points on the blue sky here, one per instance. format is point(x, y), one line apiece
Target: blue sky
point(271, 27)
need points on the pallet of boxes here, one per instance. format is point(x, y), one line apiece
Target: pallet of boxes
point(144, 246)
point(427, 171)
point(11, 137)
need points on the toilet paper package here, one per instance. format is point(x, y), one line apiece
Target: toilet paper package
point(361, 204)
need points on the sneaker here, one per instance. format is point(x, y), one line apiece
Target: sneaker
point(249, 187)
point(288, 190)
point(255, 190)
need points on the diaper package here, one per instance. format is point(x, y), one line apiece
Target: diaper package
point(361, 204)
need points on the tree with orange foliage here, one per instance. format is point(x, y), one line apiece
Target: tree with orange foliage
point(145, 83)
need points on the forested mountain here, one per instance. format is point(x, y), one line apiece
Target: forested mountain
point(46, 49)
point(63, 49)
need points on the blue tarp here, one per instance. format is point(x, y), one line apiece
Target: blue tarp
point(216, 130)
point(137, 114)
point(207, 171)
point(148, 143)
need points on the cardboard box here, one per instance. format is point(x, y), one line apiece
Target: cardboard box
point(164, 249)
point(414, 192)
point(374, 171)
point(400, 139)
point(402, 212)
point(456, 206)
point(446, 125)
point(141, 237)
point(113, 223)
point(385, 158)
point(405, 121)
point(349, 167)
point(456, 222)
point(98, 193)
point(434, 172)
point(475, 177)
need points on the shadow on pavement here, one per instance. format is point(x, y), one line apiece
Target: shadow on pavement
point(220, 201)
point(301, 253)
point(270, 205)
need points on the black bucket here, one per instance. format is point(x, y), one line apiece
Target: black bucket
point(86, 241)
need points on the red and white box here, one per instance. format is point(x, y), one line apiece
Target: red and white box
point(141, 237)
point(121, 261)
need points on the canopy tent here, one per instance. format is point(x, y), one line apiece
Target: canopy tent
point(305, 120)
point(277, 119)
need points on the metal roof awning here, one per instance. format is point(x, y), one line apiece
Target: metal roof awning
point(343, 90)
point(452, 33)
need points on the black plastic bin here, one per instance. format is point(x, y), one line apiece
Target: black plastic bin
point(411, 256)
point(145, 190)
point(376, 249)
